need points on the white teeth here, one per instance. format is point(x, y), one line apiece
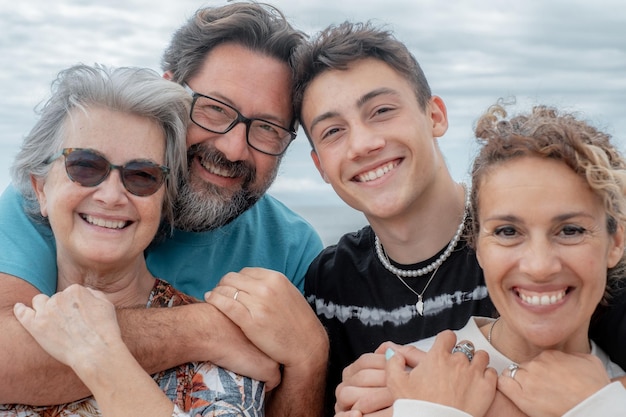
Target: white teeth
point(109, 224)
point(543, 300)
point(376, 173)
point(216, 170)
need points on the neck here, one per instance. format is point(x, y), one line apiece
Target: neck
point(123, 286)
point(506, 340)
point(426, 229)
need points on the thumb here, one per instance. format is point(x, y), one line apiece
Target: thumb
point(23, 314)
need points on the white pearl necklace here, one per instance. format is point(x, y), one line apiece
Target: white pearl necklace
point(382, 257)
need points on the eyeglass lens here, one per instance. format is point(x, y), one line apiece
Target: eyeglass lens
point(88, 168)
point(218, 117)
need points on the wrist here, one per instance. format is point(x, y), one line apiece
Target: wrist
point(315, 358)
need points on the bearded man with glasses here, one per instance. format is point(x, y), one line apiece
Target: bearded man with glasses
point(234, 60)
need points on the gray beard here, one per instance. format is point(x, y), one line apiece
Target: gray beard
point(209, 208)
point(204, 206)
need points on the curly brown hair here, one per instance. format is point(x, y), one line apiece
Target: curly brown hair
point(545, 132)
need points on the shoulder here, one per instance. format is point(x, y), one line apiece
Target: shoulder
point(340, 264)
point(350, 249)
point(274, 215)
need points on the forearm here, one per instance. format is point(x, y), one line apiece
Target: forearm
point(158, 338)
point(163, 338)
point(301, 392)
point(121, 387)
point(28, 374)
point(35, 378)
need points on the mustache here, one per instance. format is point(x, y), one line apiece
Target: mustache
point(212, 156)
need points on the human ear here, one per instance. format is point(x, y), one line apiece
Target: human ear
point(38, 186)
point(439, 116)
point(616, 251)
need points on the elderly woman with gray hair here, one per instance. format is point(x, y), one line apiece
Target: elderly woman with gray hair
point(100, 169)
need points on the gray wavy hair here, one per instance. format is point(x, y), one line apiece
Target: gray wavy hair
point(139, 91)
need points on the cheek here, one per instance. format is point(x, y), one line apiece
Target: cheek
point(495, 262)
point(195, 134)
point(264, 165)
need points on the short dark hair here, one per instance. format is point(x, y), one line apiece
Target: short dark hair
point(257, 26)
point(337, 46)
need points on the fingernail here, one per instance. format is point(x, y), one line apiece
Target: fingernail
point(389, 353)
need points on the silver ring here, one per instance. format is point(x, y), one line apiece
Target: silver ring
point(465, 347)
point(236, 295)
point(513, 368)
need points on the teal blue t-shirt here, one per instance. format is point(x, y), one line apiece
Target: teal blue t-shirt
point(268, 235)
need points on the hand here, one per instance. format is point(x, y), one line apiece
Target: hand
point(554, 382)
point(363, 386)
point(74, 326)
point(445, 378)
point(274, 315)
point(233, 350)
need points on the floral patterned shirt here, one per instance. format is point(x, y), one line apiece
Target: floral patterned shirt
point(197, 389)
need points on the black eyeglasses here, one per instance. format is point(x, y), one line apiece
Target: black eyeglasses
point(218, 117)
point(89, 168)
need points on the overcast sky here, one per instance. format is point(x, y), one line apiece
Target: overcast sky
point(566, 53)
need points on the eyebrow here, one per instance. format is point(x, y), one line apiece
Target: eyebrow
point(359, 103)
point(262, 116)
point(559, 218)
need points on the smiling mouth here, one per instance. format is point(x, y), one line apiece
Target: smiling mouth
point(108, 224)
point(542, 299)
point(216, 170)
point(376, 173)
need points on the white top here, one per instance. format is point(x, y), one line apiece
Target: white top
point(609, 401)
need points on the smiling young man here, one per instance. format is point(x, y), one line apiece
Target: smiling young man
point(374, 125)
point(367, 109)
point(234, 60)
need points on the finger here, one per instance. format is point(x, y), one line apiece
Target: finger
point(395, 362)
point(247, 279)
point(412, 355)
point(23, 314)
point(346, 396)
point(444, 342)
point(236, 310)
point(481, 359)
point(225, 290)
point(365, 361)
point(39, 301)
point(508, 386)
point(396, 374)
point(367, 378)
point(97, 294)
point(491, 375)
point(375, 400)
point(513, 372)
point(349, 413)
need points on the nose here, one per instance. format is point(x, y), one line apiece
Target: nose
point(363, 141)
point(111, 191)
point(233, 143)
point(539, 259)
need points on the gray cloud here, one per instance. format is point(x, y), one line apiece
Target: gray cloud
point(565, 53)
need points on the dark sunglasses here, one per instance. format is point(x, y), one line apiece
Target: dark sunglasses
point(89, 168)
